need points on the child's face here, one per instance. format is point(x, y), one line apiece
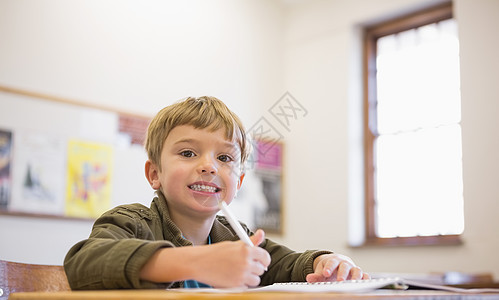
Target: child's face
point(198, 168)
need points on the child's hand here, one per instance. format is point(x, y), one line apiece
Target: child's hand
point(335, 267)
point(234, 264)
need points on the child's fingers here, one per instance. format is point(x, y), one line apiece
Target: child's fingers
point(319, 273)
point(254, 271)
point(257, 268)
point(252, 280)
point(258, 237)
point(262, 257)
point(329, 267)
point(343, 270)
point(356, 273)
point(336, 267)
point(313, 277)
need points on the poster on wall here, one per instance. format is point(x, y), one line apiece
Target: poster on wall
point(5, 166)
point(39, 176)
point(89, 171)
point(268, 170)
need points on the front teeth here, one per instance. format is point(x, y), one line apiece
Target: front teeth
point(203, 188)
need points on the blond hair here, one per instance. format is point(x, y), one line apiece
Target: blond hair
point(202, 113)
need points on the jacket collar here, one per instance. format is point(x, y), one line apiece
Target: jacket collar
point(219, 231)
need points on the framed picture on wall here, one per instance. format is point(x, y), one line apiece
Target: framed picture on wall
point(5, 166)
point(38, 174)
point(267, 164)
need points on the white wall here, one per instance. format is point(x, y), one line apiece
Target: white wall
point(141, 55)
point(322, 71)
point(135, 56)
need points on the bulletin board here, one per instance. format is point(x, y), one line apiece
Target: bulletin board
point(62, 158)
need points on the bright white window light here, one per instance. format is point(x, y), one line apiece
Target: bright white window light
point(419, 189)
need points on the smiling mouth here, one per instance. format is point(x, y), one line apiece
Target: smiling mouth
point(204, 188)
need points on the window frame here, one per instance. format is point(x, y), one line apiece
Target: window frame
point(371, 35)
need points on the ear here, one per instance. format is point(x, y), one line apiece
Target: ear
point(240, 181)
point(152, 174)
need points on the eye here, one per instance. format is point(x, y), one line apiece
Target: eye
point(225, 158)
point(187, 153)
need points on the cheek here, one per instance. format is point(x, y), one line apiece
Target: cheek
point(174, 179)
point(232, 182)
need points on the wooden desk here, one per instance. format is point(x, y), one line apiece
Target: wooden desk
point(163, 294)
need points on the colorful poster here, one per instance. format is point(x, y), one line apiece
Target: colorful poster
point(39, 175)
point(269, 155)
point(5, 165)
point(88, 191)
point(268, 169)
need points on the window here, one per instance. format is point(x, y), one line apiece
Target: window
point(414, 192)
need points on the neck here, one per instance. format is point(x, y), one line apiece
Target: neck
point(194, 230)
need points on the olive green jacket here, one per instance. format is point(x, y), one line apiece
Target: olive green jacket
point(123, 239)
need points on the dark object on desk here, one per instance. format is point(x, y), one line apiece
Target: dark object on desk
point(470, 280)
point(20, 277)
point(458, 278)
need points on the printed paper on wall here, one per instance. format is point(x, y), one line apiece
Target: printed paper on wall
point(89, 171)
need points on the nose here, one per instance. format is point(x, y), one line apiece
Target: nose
point(207, 165)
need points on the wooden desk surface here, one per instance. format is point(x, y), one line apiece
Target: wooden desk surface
point(164, 294)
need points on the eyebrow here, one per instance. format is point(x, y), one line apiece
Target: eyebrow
point(226, 144)
point(185, 141)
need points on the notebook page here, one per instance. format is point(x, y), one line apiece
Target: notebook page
point(347, 286)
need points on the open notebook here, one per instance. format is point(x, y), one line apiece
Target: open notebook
point(348, 286)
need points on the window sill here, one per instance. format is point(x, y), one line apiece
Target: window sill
point(436, 240)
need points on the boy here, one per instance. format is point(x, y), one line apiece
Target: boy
point(196, 151)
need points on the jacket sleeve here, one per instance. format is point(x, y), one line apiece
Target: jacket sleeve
point(121, 242)
point(287, 265)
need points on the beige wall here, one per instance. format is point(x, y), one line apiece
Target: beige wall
point(139, 56)
point(322, 71)
point(135, 56)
